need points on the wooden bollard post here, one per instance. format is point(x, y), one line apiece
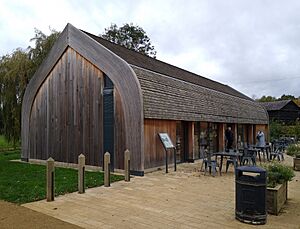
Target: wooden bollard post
point(50, 179)
point(127, 165)
point(81, 170)
point(106, 169)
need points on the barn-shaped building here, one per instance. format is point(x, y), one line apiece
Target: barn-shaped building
point(91, 96)
point(286, 111)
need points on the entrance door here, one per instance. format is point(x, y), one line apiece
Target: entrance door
point(108, 120)
point(186, 141)
point(182, 141)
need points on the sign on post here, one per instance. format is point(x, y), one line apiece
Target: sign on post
point(167, 143)
point(165, 139)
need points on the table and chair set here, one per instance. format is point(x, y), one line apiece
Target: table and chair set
point(241, 156)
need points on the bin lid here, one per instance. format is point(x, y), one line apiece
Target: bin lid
point(253, 169)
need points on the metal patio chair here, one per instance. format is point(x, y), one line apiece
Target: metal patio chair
point(249, 156)
point(231, 160)
point(277, 152)
point(208, 163)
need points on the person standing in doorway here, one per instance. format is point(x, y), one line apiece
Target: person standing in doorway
point(261, 142)
point(228, 138)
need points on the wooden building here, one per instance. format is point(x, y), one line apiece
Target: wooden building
point(286, 111)
point(91, 96)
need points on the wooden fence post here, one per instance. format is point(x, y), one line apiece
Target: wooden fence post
point(81, 173)
point(127, 165)
point(106, 169)
point(50, 179)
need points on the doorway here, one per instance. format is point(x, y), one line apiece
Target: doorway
point(182, 141)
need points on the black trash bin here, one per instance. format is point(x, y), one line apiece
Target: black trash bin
point(250, 194)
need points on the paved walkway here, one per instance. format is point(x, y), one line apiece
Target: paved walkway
point(182, 199)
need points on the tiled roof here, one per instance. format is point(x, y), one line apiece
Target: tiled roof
point(276, 105)
point(172, 93)
point(143, 61)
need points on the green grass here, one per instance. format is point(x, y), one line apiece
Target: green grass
point(4, 144)
point(22, 182)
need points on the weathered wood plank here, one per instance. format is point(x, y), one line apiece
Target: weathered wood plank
point(125, 81)
point(32, 88)
point(120, 73)
point(154, 151)
point(67, 112)
point(120, 133)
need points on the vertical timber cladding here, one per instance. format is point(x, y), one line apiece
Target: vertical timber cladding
point(263, 128)
point(154, 153)
point(66, 116)
point(250, 134)
point(119, 131)
point(108, 119)
point(67, 113)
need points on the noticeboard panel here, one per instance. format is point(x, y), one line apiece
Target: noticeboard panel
point(165, 139)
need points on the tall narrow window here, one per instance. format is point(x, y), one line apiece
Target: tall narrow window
point(108, 118)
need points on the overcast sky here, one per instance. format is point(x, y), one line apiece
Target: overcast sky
point(251, 45)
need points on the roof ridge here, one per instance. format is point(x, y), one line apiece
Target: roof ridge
point(118, 45)
point(208, 83)
point(279, 101)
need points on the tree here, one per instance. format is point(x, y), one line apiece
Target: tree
point(131, 37)
point(286, 97)
point(43, 44)
point(16, 70)
point(277, 129)
point(14, 76)
point(297, 101)
point(267, 99)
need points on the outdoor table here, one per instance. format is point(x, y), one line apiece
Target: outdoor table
point(256, 151)
point(266, 150)
point(233, 155)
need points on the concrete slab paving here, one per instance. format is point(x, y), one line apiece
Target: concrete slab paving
point(182, 199)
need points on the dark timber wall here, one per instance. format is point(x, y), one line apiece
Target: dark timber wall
point(289, 113)
point(67, 114)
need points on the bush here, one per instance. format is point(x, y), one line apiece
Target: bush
point(293, 150)
point(278, 173)
point(278, 129)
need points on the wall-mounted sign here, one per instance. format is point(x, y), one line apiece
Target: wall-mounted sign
point(165, 139)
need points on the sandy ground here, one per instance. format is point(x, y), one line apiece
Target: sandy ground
point(15, 216)
point(182, 199)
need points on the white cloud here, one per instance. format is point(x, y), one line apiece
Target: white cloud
point(244, 44)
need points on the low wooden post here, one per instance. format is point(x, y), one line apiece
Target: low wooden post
point(127, 165)
point(81, 173)
point(106, 169)
point(50, 179)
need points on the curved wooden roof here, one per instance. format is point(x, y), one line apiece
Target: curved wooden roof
point(170, 92)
